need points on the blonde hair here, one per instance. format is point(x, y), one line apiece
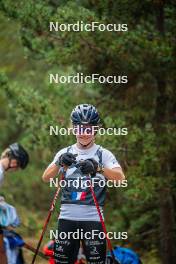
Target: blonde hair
point(6, 153)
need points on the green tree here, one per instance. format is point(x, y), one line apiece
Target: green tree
point(146, 104)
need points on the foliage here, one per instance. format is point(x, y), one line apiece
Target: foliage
point(146, 105)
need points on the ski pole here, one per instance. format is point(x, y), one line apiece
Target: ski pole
point(52, 206)
point(103, 223)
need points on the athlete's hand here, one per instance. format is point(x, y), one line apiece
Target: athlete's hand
point(95, 164)
point(88, 166)
point(66, 159)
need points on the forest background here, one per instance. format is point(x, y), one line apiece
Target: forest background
point(146, 106)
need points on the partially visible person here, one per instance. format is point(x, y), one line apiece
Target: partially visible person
point(81, 259)
point(13, 247)
point(124, 256)
point(48, 250)
point(13, 158)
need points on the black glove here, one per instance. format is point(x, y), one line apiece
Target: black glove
point(66, 159)
point(95, 163)
point(88, 166)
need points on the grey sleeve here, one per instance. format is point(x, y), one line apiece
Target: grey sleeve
point(109, 160)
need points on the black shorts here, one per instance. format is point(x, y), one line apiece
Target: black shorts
point(88, 232)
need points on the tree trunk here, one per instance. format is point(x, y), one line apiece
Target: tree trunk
point(166, 205)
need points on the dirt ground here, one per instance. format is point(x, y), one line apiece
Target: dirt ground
point(28, 255)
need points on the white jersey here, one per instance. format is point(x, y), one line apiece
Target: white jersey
point(85, 212)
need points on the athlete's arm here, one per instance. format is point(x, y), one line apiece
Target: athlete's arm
point(50, 172)
point(112, 169)
point(115, 174)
